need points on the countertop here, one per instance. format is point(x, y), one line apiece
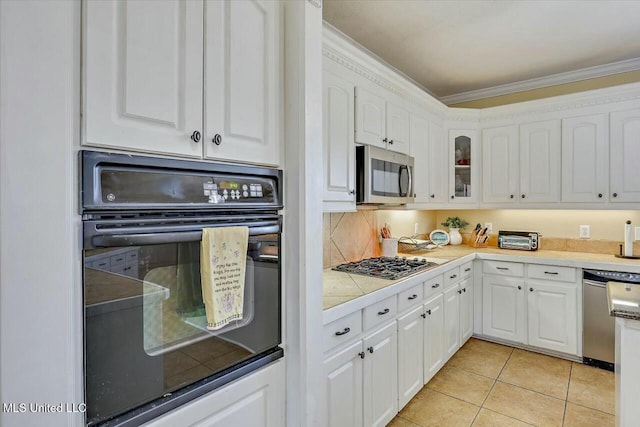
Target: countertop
point(344, 293)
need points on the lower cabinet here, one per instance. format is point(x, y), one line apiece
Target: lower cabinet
point(539, 309)
point(434, 355)
point(465, 290)
point(451, 321)
point(362, 381)
point(255, 400)
point(412, 350)
point(343, 374)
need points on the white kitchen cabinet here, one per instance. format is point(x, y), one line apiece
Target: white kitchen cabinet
point(419, 144)
point(503, 308)
point(338, 143)
point(411, 358)
point(434, 327)
point(437, 159)
point(500, 164)
point(381, 376)
point(343, 375)
point(142, 64)
point(381, 123)
point(197, 79)
point(625, 153)
point(540, 162)
point(465, 290)
point(463, 166)
point(585, 159)
point(255, 400)
point(552, 315)
point(242, 81)
point(451, 321)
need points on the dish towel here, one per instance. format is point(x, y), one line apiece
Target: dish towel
point(223, 262)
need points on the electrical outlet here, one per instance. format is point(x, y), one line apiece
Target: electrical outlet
point(489, 227)
point(637, 233)
point(585, 231)
point(415, 228)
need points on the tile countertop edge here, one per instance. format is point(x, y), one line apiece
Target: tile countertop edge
point(564, 259)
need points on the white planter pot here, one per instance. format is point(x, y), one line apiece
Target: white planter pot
point(455, 238)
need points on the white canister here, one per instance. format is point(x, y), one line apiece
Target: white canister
point(390, 247)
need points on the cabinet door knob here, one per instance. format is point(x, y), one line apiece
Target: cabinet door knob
point(519, 287)
point(424, 315)
point(385, 140)
point(464, 290)
point(352, 192)
point(370, 349)
point(453, 197)
point(195, 136)
point(459, 291)
point(523, 196)
point(217, 139)
point(530, 289)
point(429, 312)
point(615, 194)
point(391, 141)
point(511, 196)
point(599, 195)
point(433, 196)
point(361, 354)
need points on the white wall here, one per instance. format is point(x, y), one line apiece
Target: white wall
point(40, 293)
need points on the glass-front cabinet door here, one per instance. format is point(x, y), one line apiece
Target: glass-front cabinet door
point(463, 166)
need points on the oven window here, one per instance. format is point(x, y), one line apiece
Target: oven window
point(145, 323)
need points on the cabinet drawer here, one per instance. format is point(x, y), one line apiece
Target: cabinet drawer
point(433, 286)
point(552, 272)
point(466, 270)
point(451, 277)
point(342, 330)
point(380, 312)
point(503, 268)
point(410, 298)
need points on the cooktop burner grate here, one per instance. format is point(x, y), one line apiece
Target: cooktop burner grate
point(386, 267)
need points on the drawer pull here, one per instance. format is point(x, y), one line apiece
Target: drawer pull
point(383, 312)
point(464, 289)
point(530, 289)
point(467, 269)
point(414, 296)
point(459, 291)
point(361, 354)
point(343, 332)
point(502, 268)
point(436, 285)
point(551, 272)
point(453, 276)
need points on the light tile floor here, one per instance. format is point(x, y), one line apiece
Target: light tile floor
point(492, 385)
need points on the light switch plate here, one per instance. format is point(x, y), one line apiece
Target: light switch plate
point(585, 231)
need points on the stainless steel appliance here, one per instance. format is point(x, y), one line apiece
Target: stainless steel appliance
point(147, 348)
point(383, 176)
point(598, 340)
point(391, 268)
point(521, 240)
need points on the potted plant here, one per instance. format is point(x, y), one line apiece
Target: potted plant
point(455, 224)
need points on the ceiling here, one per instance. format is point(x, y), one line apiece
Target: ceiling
point(456, 47)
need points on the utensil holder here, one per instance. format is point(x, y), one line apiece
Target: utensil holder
point(389, 247)
point(472, 240)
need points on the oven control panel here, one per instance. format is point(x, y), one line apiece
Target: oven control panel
point(225, 191)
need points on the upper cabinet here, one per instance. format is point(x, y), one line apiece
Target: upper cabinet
point(428, 148)
point(625, 153)
point(521, 165)
point(585, 159)
point(338, 143)
point(381, 123)
point(183, 78)
point(463, 163)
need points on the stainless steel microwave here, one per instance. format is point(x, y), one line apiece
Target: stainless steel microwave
point(383, 176)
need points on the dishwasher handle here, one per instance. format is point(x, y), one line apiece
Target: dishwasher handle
point(594, 283)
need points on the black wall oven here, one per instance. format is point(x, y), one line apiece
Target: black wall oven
point(147, 348)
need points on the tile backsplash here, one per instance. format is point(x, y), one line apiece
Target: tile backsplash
point(349, 236)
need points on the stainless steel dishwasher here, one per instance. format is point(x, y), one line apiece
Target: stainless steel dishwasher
point(599, 331)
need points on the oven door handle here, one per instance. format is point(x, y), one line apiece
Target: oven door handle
point(140, 239)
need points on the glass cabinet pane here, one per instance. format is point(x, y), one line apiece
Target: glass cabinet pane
point(462, 166)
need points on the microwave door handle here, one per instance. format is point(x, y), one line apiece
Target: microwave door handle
point(400, 180)
point(410, 188)
point(140, 239)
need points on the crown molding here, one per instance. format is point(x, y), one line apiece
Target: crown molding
point(316, 3)
point(541, 82)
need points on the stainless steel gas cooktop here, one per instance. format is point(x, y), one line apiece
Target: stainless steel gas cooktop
point(386, 267)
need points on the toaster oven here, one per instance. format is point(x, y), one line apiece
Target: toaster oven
point(522, 240)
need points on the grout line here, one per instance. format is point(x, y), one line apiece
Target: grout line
point(492, 386)
point(593, 409)
point(566, 399)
